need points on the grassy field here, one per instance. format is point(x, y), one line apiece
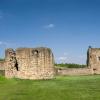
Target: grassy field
point(60, 88)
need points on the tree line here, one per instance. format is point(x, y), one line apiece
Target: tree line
point(70, 65)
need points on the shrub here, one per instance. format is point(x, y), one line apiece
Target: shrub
point(1, 59)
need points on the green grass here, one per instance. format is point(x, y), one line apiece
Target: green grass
point(61, 88)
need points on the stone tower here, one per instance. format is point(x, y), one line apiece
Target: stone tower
point(93, 60)
point(29, 63)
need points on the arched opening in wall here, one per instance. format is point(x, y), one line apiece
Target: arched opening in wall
point(16, 66)
point(94, 69)
point(35, 55)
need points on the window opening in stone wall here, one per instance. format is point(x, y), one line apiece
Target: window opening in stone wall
point(35, 53)
point(16, 65)
point(13, 59)
point(99, 58)
point(94, 69)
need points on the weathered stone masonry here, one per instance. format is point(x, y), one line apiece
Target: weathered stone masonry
point(2, 67)
point(38, 63)
point(29, 63)
point(93, 60)
point(93, 65)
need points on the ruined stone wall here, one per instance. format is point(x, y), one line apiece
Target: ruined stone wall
point(74, 71)
point(29, 63)
point(2, 68)
point(38, 63)
point(2, 65)
point(93, 65)
point(94, 59)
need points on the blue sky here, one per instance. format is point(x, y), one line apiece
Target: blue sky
point(68, 27)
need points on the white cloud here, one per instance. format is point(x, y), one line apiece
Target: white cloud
point(49, 26)
point(69, 58)
point(65, 54)
point(62, 58)
point(3, 44)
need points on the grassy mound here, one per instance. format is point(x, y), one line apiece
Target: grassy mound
point(61, 88)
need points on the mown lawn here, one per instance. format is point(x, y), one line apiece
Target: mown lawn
point(61, 88)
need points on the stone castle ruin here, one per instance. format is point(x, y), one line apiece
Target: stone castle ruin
point(29, 63)
point(93, 59)
point(38, 63)
point(93, 65)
